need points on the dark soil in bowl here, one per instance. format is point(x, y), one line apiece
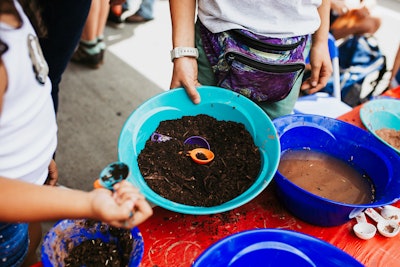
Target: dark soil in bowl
point(173, 175)
point(95, 252)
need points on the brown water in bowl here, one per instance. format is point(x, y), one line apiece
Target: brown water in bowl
point(326, 176)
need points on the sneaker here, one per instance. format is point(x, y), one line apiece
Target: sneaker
point(81, 56)
point(136, 18)
point(114, 18)
point(126, 13)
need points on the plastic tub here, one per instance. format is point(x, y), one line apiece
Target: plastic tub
point(66, 234)
point(273, 247)
point(219, 103)
point(343, 141)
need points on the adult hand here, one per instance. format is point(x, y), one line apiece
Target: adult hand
point(321, 68)
point(185, 75)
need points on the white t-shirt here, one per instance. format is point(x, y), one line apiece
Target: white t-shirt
point(273, 18)
point(28, 129)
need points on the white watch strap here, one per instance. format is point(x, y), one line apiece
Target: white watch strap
point(178, 52)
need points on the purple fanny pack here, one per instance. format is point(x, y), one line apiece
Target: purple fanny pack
point(261, 68)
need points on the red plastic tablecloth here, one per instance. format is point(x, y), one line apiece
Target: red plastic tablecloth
point(173, 239)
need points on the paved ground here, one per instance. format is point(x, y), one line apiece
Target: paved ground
point(95, 103)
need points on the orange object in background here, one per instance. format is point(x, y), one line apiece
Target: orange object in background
point(97, 184)
point(116, 10)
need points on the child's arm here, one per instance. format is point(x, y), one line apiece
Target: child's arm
point(20, 201)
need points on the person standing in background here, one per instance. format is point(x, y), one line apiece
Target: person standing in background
point(268, 18)
point(64, 21)
point(145, 12)
point(349, 20)
point(127, 12)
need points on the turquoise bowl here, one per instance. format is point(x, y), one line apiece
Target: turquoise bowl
point(381, 113)
point(222, 104)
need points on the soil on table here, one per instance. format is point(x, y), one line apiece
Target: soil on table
point(172, 174)
point(391, 136)
point(95, 252)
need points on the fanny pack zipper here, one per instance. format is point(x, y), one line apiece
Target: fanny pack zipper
point(260, 45)
point(277, 68)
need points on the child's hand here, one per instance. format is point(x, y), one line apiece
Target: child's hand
point(125, 207)
point(126, 194)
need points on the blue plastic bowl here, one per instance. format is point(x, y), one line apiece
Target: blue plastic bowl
point(66, 234)
point(273, 247)
point(219, 103)
point(346, 142)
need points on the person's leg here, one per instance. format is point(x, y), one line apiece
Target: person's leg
point(205, 74)
point(146, 9)
point(90, 52)
point(104, 9)
point(65, 20)
point(89, 32)
point(35, 236)
point(103, 15)
point(285, 106)
point(145, 12)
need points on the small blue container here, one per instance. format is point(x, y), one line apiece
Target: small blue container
point(66, 234)
point(273, 247)
point(222, 104)
point(343, 141)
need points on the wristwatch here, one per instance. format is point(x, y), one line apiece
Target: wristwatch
point(178, 52)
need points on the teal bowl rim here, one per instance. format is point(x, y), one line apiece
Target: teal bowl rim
point(270, 158)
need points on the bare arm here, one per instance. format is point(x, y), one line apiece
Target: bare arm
point(321, 65)
point(185, 68)
point(21, 201)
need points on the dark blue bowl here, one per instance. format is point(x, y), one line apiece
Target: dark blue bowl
point(273, 247)
point(344, 141)
point(66, 234)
